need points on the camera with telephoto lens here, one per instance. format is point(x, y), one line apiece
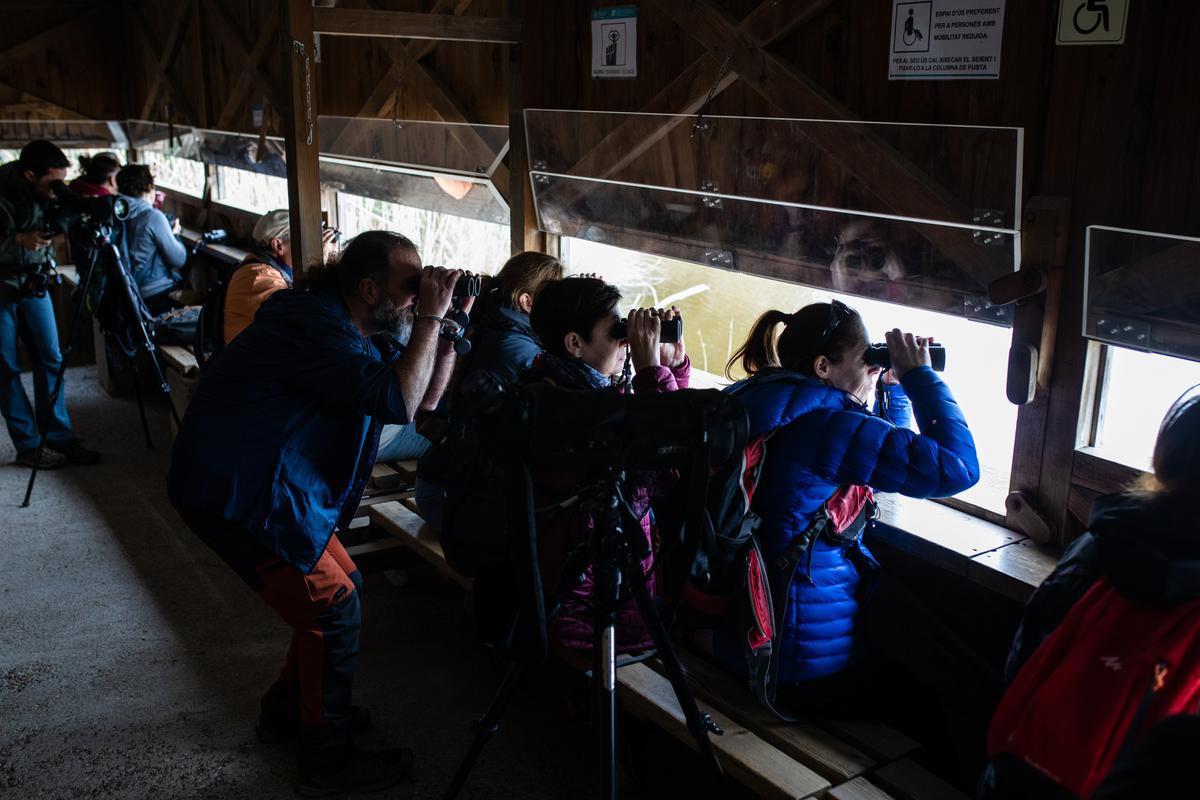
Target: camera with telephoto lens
point(672, 330)
point(69, 208)
point(36, 284)
point(877, 355)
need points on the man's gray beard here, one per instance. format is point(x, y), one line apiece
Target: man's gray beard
point(402, 330)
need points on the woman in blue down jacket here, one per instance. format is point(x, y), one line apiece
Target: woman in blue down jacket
point(810, 388)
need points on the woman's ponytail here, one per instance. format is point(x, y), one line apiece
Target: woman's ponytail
point(759, 352)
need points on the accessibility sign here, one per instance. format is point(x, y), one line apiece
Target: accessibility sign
point(1092, 21)
point(946, 39)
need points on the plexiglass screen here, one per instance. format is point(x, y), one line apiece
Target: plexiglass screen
point(474, 150)
point(67, 134)
point(1143, 291)
point(444, 194)
point(923, 215)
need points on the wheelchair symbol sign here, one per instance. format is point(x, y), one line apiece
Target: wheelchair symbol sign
point(1092, 21)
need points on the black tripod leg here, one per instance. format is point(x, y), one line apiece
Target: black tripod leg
point(137, 391)
point(56, 390)
point(607, 590)
point(489, 724)
point(699, 723)
point(485, 728)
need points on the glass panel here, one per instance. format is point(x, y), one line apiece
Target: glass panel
point(174, 172)
point(925, 215)
point(719, 307)
point(1143, 290)
point(902, 262)
point(443, 194)
point(441, 238)
point(436, 146)
point(1139, 389)
point(91, 135)
point(249, 190)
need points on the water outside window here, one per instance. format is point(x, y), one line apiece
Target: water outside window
point(252, 191)
point(442, 239)
point(719, 308)
point(172, 172)
point(1139, 389)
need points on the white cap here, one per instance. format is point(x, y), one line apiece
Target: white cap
point(273, 225)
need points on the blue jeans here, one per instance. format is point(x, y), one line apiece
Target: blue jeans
point(31, 318)
point(400, 442)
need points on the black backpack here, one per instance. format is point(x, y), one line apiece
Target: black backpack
point(209, 338)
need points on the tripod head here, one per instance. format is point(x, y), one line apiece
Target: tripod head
point(95, 213)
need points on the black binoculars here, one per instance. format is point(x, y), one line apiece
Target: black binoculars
point(467, 286)
point(672, 330)
point(878, 356)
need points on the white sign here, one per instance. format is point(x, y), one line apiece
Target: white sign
point(1092, 21)
point(614, 42)
point(946, 39)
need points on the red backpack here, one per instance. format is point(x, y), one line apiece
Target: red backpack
point(1111, 670)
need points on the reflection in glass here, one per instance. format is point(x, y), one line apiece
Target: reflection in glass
point(1143, 290)
point(468, 149)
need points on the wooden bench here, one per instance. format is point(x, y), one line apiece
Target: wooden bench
point(183, 375)
point(857, 760)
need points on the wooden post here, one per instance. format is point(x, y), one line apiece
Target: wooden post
point(300, 121)
point(522, 216)
point(1035, 325)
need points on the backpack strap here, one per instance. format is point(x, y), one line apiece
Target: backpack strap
point(764, 667)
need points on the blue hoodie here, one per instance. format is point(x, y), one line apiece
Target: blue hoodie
point(154, 254)
point(281, 434)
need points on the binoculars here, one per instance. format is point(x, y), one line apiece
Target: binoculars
point(878, 356)
point(672, 330)
point(467, 286)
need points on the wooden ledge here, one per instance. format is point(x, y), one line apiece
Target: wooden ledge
point(987, 554)
point(223, 252)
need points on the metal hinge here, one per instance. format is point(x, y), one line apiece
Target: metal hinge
point(710, 202)
point(980, 308)
point(719, 258)
point(992, 218)
point(1134, 333)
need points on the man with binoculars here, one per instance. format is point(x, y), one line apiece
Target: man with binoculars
point(273, 455)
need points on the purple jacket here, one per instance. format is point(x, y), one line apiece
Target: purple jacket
point(559, 536)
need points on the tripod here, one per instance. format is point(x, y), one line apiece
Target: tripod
point(615, 549)
point(104, 252)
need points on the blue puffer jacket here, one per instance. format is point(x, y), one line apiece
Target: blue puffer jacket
point(824, 439)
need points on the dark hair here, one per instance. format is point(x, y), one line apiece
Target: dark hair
point(99, 168)
point(40, 156)
point(135, 180)
point(368, 255)
point(1176, 457)
point(527, 272)
point(806, 335)
point(572, 304)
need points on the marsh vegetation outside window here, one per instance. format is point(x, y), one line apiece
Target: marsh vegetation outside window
point(179, 174)
point(1137, 389)
point(442, 239)
point(251, 191)
point(719, 307)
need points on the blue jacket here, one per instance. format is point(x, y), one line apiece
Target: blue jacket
point(502, 341)
point(824, 439)
point(155, 255)
point(281, 434)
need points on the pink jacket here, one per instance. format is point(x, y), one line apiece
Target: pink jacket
point(573, 627)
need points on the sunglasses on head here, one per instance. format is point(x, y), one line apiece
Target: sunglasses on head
point(838, 311)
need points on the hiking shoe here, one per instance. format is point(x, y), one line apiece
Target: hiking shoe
point(275, 726)
point(363, 771)
point(75, 452)
point(49, 459)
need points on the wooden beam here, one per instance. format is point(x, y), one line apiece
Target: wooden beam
point(252, 70)
point(45, 101)
point(882, 170)
point(300, 123)
point(408, 25)
point(200, 77)
point(522, 215)
point(166, 58)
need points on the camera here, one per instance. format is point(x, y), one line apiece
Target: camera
point(877, 355)
point(337, 234)
point(36, 284)
point(672, 330)
point(69, 208)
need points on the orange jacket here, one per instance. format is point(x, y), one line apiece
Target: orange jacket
point(251, 284)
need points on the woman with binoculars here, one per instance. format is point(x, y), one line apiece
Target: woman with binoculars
point(809, 390)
